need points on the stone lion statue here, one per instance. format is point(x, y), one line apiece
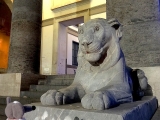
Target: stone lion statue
point(102, 78)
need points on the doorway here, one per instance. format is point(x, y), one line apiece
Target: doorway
point(68, 45)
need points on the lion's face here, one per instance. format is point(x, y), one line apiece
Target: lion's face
point(94, 38)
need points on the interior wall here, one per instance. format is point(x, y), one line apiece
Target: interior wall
point(70, 39)
point(5, 25)
point(4, 48)
point(62, 49)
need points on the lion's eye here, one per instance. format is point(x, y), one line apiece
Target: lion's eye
point(80, 31)
point(96, 28)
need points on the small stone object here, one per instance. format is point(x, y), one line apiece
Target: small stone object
point(102, 78)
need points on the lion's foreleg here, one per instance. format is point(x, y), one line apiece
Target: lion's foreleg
point(70, 94)
point(114, 95)
point(107, 97)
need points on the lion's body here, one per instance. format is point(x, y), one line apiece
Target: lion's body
point(112, 70)
point(102, 80)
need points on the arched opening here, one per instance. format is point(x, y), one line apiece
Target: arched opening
point(5, 26)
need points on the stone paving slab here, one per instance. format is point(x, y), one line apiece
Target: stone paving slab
point(139, 110)
point(156, 115)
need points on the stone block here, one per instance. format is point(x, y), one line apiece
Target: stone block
point(139, 110)
point(153, 76)
point(133, 11)
point(156, 115)
point(140, 44)
point(10, 84)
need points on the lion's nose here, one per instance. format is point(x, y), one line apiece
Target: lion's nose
point(86, 44)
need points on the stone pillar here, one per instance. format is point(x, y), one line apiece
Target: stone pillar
point(25, 38)
point(141, 30)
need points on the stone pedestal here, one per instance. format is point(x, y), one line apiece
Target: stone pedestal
point(141, 39)
point(140, 110)
point(25, 38)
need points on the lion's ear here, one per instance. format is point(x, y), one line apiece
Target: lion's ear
point(117, 26)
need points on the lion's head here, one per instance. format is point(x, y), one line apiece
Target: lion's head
point(95, 38)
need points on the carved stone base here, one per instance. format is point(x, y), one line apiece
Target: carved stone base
point(139, 110)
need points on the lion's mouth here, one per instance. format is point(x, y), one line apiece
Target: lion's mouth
point(97, 51)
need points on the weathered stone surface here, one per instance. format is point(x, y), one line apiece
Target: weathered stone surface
point(140, 110)
point(140, 44)
point(156, 115)
point(141, 38)
point(131, 12)
point(152, 73)
point(102, 79)
point(25, 36)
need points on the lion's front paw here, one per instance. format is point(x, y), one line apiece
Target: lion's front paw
point(52, 97)
point(97, 100)
point(48, 98)
point(86, 101)
point(101, 101)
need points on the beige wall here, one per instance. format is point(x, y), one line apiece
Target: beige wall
point(59, 3)
point(100, 15)
point(46, 9)
point(46, 50)
point(48, 13)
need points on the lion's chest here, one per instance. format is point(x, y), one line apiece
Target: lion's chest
point(98, 78)
point(92, 81)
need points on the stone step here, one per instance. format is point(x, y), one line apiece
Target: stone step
point(59, 82)
point(21, 100)
point(156, 115)
point(2, 109)
point(31, 94)
point(45, 87)
point(42, 82)
point(3, 117)
point(60, 76)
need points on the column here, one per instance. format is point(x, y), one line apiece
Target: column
point(141, 30)
point(24, 56)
